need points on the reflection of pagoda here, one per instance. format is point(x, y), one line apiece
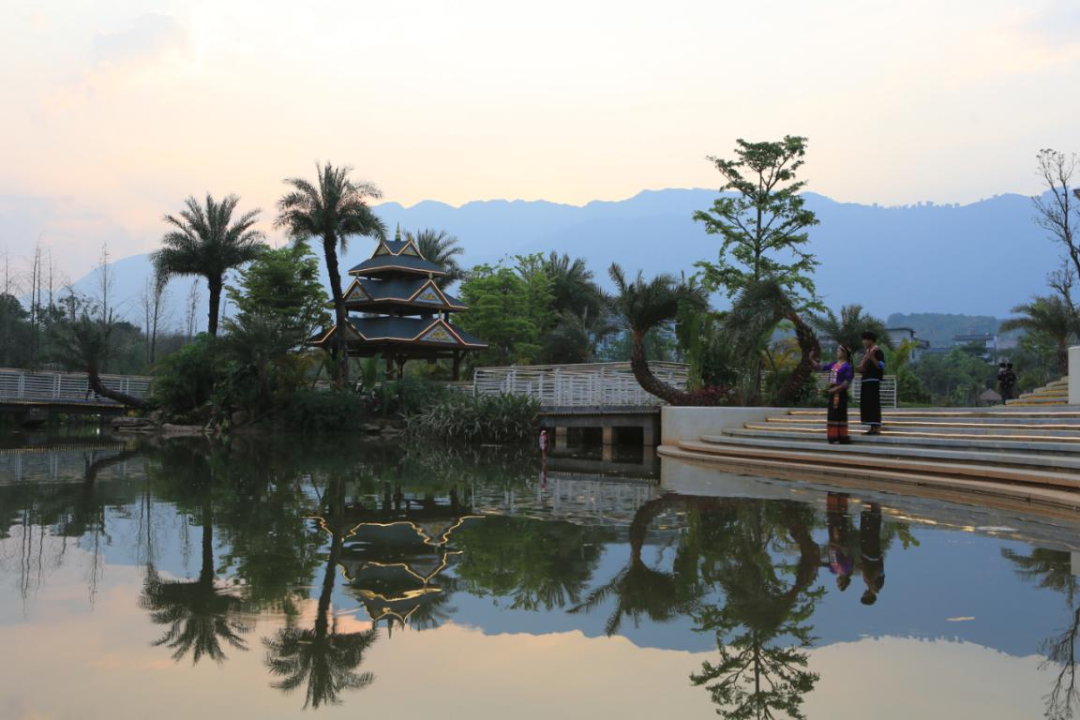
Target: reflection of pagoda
point(393, 558)
point(405, 314)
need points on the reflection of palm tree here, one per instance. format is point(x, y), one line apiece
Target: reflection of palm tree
point(1052, 569)
point(321, 657)
point(199, 615)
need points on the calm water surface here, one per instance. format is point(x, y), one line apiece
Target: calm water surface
point(347, 579)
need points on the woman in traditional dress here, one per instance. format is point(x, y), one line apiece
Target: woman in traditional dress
point(872, 369)
point(841, 374)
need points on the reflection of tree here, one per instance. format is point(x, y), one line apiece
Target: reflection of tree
point(642, 591)
point(538, 565)
point(322, 658)
point(762, 627)
point(199, 615)
point(1052, 569)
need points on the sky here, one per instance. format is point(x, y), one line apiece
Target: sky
point(114, 112)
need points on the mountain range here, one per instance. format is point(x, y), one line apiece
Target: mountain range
point(979, 259)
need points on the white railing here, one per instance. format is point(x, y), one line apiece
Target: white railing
point(587, 385)
point(889, 389)
point(27, 386)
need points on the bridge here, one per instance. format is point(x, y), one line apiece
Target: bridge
point(23, 392)
point(587, 397)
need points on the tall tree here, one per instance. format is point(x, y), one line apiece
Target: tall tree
point(208, 242)
point(643, 306)
point(761, 219)
point(443, 249)
point(1050, 317)
point(333, 209)
point(1058, 210)
point(573, 286)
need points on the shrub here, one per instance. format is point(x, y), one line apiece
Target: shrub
point(488, 418)
point(319, 411)
point(184, 381)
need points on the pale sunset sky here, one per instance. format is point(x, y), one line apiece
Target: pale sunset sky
point(114, 112)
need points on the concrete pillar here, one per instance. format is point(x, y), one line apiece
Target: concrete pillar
point(609, 435)
point(1074, 376)
point(648, 436)
point(608, 452)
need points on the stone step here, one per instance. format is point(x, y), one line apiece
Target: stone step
point(1073, 412)
point(1059, 472)
point(920, 442)
point(1040, 400)
point(1007, 496)
point(975, 432)
point(934, 422)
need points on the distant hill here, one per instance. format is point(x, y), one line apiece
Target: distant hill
point(940, 328)
point(978, 259)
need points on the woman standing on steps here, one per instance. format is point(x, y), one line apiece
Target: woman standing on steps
point(841, 375)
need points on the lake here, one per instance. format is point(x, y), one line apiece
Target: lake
point(362, 579)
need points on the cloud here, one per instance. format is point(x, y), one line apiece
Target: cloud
point(146, 38)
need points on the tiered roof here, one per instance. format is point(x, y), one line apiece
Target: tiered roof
point(404, 314)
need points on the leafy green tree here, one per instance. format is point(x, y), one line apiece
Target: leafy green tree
point(283, 286)
point(15, 332)
point(332, 210)
point(955, 378)
point(207, 242)
point(576, 337)
point(501, 312)
point(1049, 317)
point(443, 249)
point(761, 219)
point(849, 325)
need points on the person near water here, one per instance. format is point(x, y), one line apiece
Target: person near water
point(872, 369)
point(872, 556)
point(840, 376)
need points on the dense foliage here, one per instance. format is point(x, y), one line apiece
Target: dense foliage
point(488, 419)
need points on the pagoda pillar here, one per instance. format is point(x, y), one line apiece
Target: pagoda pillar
point(457, 366)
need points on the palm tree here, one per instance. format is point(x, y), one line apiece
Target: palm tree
point(575, 337)
point(848, 327)
point(758, 309)
point(573, 287)
point(1052, 318)
point(87, 342)
point(208, 243)
point(643, 306)
point(443, 249)
point(333, 210)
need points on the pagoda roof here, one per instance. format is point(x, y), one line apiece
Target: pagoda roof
point(408, 331)
point(423, 293)
point(388, 264)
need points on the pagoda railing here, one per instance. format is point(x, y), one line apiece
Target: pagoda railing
point(585, 385)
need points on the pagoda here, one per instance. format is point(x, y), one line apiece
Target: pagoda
point(397, 309)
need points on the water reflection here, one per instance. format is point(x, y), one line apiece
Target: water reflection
point(335, 548)
point(322, 659)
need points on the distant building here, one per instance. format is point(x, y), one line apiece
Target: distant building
point(901, 335)
point(986, 342)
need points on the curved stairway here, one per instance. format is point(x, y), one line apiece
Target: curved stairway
point(1056, 393)
point(1019, 454)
